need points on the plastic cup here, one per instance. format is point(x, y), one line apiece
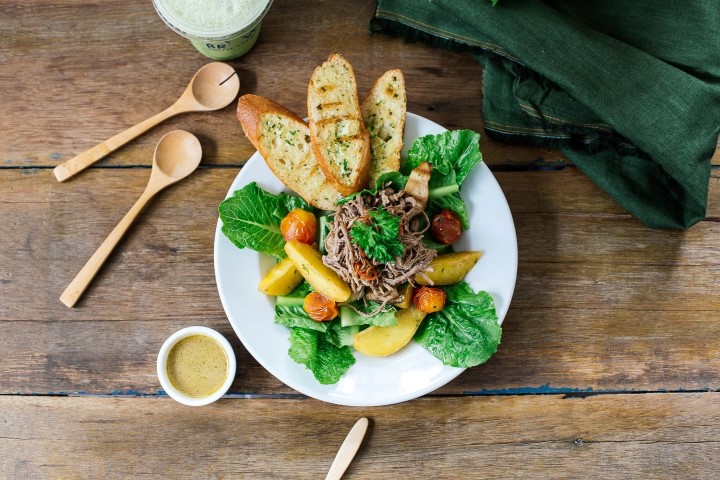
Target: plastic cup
point(221, 42)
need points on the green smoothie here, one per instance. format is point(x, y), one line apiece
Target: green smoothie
point(219, 29)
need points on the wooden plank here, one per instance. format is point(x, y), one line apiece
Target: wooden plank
point(601, 302)
point(543, 350)
point(55, 227)
point(612, 240)
point(606, 436)
point(131, 66)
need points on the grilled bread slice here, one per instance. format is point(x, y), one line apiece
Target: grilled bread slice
point(339, 138)
point(283, 140)
point(384, 111)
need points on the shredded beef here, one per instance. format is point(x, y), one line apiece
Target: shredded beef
point(343, 255)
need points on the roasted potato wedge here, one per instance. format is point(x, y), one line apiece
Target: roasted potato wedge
point(383, 341)
point(449, 268)
point(308, 260)
point(407, 290)
point(281, 279)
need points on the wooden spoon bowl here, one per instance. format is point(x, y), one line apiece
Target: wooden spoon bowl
point(214, 86)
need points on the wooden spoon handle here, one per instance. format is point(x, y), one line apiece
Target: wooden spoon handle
point(348, 449)
point(74, 291)
point(75, 165)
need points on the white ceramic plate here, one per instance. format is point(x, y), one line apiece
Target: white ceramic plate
point(413, 371)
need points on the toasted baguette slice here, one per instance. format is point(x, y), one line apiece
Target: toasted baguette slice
point(283, 140)
point(340, 140)
point(384, 111)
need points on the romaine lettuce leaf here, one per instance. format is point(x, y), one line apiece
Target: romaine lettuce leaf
point(289, 310)
point(452, 154)
point(296, 316)
point(303, 345)
point(340, 335)
point(452, 202)
point(386, 318)
point(301, 290)
point(251, 218)
point(326, 361)
point(465, 332)
point(439, 247)
point(397, 180)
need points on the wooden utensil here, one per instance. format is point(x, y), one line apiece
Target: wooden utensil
point(177, 155)
point(212, 87)
point(348, 449)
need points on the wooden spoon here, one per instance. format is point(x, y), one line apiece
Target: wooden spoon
point(212, 87)
point(177, 155)
point(348, 449)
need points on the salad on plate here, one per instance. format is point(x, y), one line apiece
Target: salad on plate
point(365, 251)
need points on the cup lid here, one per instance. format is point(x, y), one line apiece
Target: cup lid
point(171, 14)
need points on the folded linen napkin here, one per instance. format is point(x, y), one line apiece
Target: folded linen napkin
point(628, 91)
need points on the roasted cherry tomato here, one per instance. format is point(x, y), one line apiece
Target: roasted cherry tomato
point(429, 299)
point(446, 227)
point(320, 308)
point(299, 225)
point(365, 270)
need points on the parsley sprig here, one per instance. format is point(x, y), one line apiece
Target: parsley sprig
point(380, 240)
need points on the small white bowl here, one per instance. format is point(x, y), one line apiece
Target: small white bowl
point(173, 392)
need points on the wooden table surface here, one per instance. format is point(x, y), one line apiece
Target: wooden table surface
point(610, 357)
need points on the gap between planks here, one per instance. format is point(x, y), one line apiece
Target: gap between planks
point(545, 391)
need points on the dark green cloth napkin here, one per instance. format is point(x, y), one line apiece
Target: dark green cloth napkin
point(628, 90)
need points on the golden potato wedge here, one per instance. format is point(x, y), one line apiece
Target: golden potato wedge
point(407, 291)
point(449, 268)
point(383, 341)
point(281, 279)
point(308, 260)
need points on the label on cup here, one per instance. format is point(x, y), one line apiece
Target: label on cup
point(227, 49)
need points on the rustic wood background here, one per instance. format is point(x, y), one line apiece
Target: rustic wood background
point(610, 358)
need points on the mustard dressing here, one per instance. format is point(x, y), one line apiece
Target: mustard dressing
point(197, 366)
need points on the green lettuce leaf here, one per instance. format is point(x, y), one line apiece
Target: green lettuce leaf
point(439, 247)
point(289, 310)
point(452, 154)
point(452, 202)
point(296, 316)
point(251, 218)
point(397, 181)
point(340, 335)
point(303, 345)
point(465, 332)
point(326, 361)
point(386, 318)
point(301, 290)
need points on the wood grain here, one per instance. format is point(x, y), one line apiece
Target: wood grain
point(129, 66)
point(608, 436)
point(601, 302)
point(546, 350)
